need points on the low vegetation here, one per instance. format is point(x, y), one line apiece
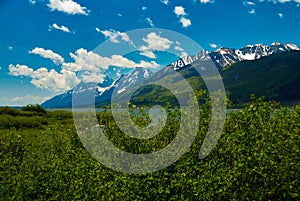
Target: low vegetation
point(256, 158)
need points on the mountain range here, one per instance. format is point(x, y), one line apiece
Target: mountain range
point(228, 56)
point(236, 66)
point(104, 91)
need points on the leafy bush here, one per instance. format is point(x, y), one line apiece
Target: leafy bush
point(34, 108)
point(256, 158)
point(9, 111)
point(8, 121)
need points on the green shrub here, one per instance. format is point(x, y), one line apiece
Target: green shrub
point(34, 108)
point(9, 121)
point(8, 110)
point(256, 158)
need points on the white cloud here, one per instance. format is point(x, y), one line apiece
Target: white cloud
point(87, 67)
point(44, 79)
point(144, 8)
point(10, 48)
point(20, 70)
point(145, 64)
point(145, 51)
point(212, 45)
point(68, 6)
point(185, 22)
point(54, 81)
point(92, 77)
point(166, 2)
point(89, 61)
point(179, 11)
point(61, 28)
point(23, 100)
point(178, 48)
point(281, 1)
point(114, 35)
point(120, 15)
point(280, 15)
point(154, 43)
point(251, 11)
point(206, 1)
point(249, 3)
point(48, 54)
point(150, 22)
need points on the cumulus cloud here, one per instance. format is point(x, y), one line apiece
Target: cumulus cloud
point(61, 28)
point(280, 15)
point(185, 22)
point(54, 81)
point(48, 54)
point(113, 35)
point(10, 48)
point(251, 11)
point(212, 45)
point(89, 61)
point(20, 70)
point(206, 1)
point(87, 67)
point(179, 11)
point(166, 2)
point(44, 79)
point(154, 43)
point(68, 6)
point(150, 22)
point(144, 8)
point(92, 77)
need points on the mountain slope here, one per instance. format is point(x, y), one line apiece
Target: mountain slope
point(277, 77)
point(103, 92)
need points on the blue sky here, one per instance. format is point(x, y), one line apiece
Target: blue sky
point(44, 43)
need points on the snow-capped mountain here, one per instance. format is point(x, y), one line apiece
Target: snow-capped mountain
point(103, 91)
point(136, 76)
point(223, 57)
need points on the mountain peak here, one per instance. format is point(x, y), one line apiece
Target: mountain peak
point(224, 56)
point(276, 43)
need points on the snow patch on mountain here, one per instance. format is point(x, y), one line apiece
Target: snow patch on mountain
point(223, 56)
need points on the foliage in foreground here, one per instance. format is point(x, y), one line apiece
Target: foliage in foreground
point(256, 158)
